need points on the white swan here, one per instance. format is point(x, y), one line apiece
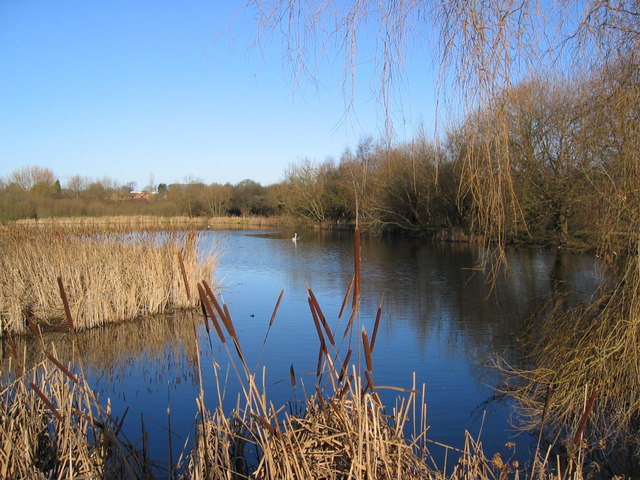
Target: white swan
point(295, 237)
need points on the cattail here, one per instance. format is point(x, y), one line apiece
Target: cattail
point(356, 263)
point(346, 297)
point(292, 376)
point(367, 350)
point(275, 310)
point(67, 310)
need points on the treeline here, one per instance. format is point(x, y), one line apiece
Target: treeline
point(35, 192)
point(567, 166)
point(550, 159)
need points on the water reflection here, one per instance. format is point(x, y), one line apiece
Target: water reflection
point(441, 319)
point(162, 347)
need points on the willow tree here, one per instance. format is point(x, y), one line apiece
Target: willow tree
point(483, 48)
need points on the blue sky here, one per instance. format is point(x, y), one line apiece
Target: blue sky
point(171, 91)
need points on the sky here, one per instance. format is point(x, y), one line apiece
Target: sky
point(162, 92)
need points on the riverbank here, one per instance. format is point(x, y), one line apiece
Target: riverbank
point(580, 241)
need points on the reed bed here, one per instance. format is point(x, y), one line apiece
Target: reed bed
point(341, 431)
point(87, 277)
point(584, 388)
point(53, 427)
point(149, 221)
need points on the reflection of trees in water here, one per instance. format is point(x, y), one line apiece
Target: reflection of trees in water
point(435, 289)
point(157, 349)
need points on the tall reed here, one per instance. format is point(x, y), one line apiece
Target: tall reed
point(107, 275)
point(53, 427)
point(584, 386)
point(342, 430)
point(149, 221)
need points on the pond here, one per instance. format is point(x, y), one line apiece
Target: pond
point(441, 319)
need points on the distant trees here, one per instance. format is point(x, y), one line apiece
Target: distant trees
point(305, 192)
point(542, 179)
point(34, 192)
point(562, 152)
point(388, 187)
point(548, 169)
point(32, 179)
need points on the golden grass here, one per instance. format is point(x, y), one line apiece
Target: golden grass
point(341, 431)
point(584, 386)
point(106, 275)
point(53, 427)
point(149, 221)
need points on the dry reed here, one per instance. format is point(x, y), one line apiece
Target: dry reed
point(53, 427)
point(341, 431)
point(149, 221)
point(106, 275)
point(584, 387)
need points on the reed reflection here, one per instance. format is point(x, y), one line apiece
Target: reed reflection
point(156, 350)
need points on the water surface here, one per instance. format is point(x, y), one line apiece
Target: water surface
point(442, 320)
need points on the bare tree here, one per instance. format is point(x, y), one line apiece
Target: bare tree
point(78, 184)
point(28, 178)
point(305, 190)
point(481, 47)
point(484, 48)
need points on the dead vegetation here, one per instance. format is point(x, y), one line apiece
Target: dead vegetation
point(82, 277)
point(53, 426)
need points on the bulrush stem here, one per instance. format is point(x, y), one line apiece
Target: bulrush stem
point(67, 310)
point(103, 275)
point(209, 311)
point(315, 305)
point(356, 263)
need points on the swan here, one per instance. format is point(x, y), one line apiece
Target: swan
point(295, 237)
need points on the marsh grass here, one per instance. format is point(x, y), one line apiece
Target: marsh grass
point(107, 275)
point(340, 430)
point(584, 388)
point(52, 426)
point(156, 222)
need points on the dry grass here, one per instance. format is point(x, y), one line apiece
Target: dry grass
point(148, 221)
point(341, 431)
point(106, 275)
point(584, 388)
point(53, 427)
